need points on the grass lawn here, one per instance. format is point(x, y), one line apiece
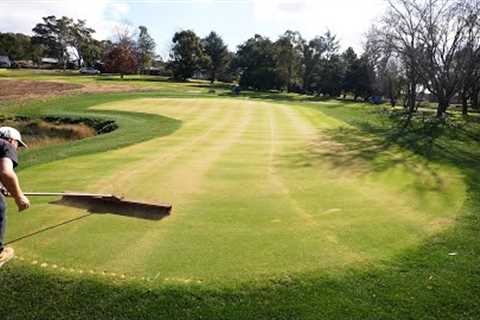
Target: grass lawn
point(284, 208)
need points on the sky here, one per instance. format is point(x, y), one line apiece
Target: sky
point(235, 20)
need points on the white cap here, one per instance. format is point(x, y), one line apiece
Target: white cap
point(12, 133)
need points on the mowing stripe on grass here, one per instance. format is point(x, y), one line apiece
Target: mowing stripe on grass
point(258, 191)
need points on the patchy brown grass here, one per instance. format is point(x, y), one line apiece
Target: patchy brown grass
point(440, 224)
point(21, 89)
point(104, 88)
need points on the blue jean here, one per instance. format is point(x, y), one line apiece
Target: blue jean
point(3, 221)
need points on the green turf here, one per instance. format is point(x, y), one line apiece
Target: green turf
point(253, 194)
point(284, 210)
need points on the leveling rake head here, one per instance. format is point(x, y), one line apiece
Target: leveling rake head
point(108, 203)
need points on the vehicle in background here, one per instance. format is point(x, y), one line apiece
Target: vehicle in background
point(89, 70)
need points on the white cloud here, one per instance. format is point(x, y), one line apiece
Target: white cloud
point(281, 9)
point(348, 19)
point(117, 10)
point(23, 15)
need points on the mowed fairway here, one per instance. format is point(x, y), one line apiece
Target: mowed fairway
point(256, 194)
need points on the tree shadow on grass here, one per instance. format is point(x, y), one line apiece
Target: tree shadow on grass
point(275, 96)
point(373, 148)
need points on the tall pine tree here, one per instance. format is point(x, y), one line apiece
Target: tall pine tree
point(217, 54)
point(145, 49)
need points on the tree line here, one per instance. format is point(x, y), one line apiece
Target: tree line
point(67, 41)
point(420, 48)
point(428, 46)
point(290, 63)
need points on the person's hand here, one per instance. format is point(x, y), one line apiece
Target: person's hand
point(4, 192)
point(22, 203)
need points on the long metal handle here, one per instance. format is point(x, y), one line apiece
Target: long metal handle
point(5, 193)
point(71, 194)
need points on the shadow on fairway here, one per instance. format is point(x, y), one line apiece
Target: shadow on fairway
point(275, 96)
point(375, 138)
point(361, 152)
point(433, 140)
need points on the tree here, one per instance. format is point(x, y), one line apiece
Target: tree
point(322, 66)
point(55, 35)
point(434, 39)
point(317, 55)
point(349, 58)
point(470, 55)
point(80, 39)
point(330, 78)
point(60, 35)
point(331, 44)
point(312, 55)
point(401, 32)
point(186, 55)
point(377, 55)
point(361, 77)
point(94, 51)
point(371, 74)
point(145, 49)
point(443, 36)
point(217, 54)
point(18, 46)
point(122, 57)
point(289, 51)
point(229, 73)
point(256, 63)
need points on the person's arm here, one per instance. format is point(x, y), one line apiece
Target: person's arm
point(9, 179)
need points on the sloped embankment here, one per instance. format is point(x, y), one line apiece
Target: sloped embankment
point(55, 130)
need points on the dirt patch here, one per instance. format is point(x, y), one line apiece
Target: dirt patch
point(21, 89)
point(440, 224)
